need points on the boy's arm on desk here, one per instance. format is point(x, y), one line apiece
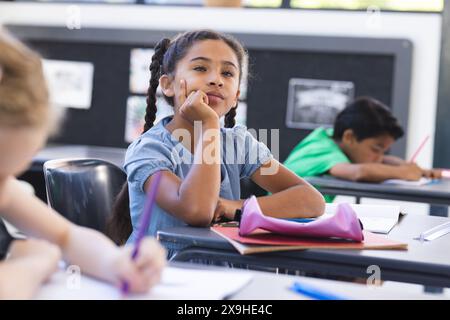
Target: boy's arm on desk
point(375, 172)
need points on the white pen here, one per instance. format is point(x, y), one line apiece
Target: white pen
point(434, 232)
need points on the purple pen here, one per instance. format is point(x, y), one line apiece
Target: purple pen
point(144, 222)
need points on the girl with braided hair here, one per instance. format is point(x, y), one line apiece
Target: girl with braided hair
point(199, 73)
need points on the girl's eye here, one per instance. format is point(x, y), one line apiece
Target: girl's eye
point(199, 68)
point(228, 74)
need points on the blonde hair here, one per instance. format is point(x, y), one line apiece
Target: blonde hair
point(24, 98)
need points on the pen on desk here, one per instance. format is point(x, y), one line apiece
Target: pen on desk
point(415, 154)
point(434, 233)
point(301, 220)
point(313, 292)
point(144, 222)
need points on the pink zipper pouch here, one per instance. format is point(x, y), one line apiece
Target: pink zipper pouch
point(344, 224)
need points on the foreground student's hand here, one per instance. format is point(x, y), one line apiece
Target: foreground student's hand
point(432, 173)
point(409, 171)
point(144, 272)
point(42, 256)
point(226, 209)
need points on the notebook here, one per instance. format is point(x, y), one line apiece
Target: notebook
point(421, 182)
point(176, 283)
point(264, 241)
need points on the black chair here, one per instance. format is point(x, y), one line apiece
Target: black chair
point(83, 190)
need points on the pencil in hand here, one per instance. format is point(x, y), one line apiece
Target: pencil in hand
point(144, 222)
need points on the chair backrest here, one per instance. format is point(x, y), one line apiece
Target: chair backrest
point(83, 190)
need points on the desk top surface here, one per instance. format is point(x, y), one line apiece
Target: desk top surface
point(262, 286)
point(430, 257)
point(440, 188)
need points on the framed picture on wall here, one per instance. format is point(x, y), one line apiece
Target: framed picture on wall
point(315, 103)
point(140, 59)
point(70, 83)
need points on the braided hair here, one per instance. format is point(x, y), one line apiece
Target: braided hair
point(164, 61)
point(230, 120)
point(155, 71)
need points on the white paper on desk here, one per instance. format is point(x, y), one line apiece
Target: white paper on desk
point(70, 83)
point(176, 283)
point(375, 218)
point(421, 182)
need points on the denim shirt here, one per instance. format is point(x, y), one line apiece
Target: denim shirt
point(157, 150)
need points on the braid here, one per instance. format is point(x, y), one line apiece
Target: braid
point(155, 70)
point(230, 120)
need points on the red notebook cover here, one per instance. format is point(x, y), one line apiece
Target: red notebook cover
point(264, 241)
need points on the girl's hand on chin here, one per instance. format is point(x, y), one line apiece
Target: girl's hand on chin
point(194, 107)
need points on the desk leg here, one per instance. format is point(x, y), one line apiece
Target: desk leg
point(438, 210)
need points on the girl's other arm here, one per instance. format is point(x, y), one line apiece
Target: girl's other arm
point(292, 197)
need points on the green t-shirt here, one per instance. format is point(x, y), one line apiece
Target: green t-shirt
point(315, 155)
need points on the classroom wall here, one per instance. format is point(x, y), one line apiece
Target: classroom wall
point(424, 30)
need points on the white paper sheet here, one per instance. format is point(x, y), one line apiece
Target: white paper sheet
point(176, 283)
point(420, 182)
point(375, 218)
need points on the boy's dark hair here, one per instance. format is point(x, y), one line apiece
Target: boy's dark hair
point(368, 118)
point(164, 61)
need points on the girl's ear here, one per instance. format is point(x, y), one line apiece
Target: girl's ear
point(236, 99)
point(166, 84)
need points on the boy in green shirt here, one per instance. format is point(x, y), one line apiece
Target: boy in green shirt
point(355, 149)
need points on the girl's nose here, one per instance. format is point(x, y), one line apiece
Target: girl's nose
point(215, 80)
point(216, 83)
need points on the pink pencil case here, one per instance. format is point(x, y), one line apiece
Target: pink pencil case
point(344, 224)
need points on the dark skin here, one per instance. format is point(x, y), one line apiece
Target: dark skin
point(369, 162)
